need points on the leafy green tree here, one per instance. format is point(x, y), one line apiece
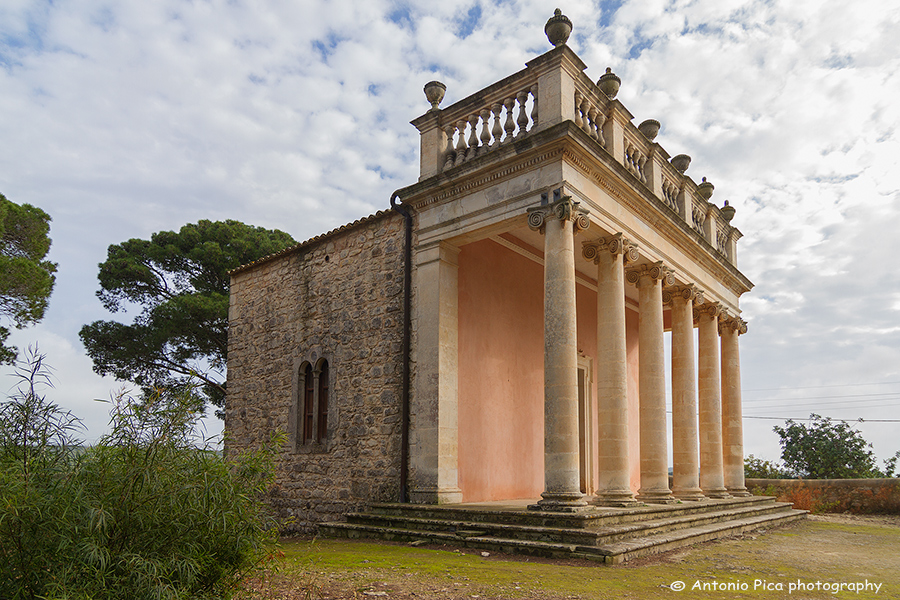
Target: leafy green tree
point(757, 468)
point(827, 449)
point(26, 279)
point(180, 281)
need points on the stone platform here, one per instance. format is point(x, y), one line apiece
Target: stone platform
point(610, 535)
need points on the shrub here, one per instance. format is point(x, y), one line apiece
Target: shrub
point(757, 468)
point(149, 512)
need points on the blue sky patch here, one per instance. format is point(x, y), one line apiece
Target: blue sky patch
point(468, 24)
point(608, 10)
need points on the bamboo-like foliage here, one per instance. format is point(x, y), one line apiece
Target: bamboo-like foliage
point(148, 512)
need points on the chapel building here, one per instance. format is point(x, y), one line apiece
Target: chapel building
point(500, 334)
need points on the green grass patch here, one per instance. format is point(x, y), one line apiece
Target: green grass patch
point(809, 552)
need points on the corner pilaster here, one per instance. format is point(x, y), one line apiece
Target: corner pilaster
point(434, 448)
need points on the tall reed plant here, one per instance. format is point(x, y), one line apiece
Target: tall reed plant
point(151, 511)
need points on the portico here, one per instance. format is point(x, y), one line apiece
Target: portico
point(513, 179)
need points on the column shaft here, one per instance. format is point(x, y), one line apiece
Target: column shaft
point(685, 473)
point(732, 426)
point(614, 485)
point(711, 475)
point(562, 483)
point(652, 382)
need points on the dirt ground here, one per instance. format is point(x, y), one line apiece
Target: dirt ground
point(826, 556)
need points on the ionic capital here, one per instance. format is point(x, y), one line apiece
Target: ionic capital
point(710, 309)
point(564, 209)
point(689, 292)
point(655, 272)
point(614, 244)
point(729, 322)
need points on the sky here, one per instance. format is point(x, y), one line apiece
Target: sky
point(125, 118)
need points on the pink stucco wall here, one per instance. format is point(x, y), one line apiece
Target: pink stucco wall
point(634, 414)
point(501, 377)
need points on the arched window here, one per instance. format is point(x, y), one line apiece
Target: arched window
point(309, 404)
point(323, 402)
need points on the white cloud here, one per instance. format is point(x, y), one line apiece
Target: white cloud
point(125, 119)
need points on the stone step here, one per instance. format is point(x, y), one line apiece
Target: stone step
point(583, 536)
point(592, 518)
point(616, 552)
point(654, 544)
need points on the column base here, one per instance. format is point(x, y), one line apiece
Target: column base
point(616, 498)
point(717, 493)
point(561, 502)
point(739, 492)
point(689, 494)
point(658, 496)
point(436, 496)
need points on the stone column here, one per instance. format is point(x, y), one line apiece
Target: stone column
point(562, 484)
point(686, 471)
point(732, 420)
point(652, 383)
point(711, 475)
point(611, 255)
point(434, 447)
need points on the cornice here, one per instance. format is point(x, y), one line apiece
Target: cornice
point(613, 178)
point(489, 168)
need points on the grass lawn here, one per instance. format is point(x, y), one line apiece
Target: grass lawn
point(818, 554)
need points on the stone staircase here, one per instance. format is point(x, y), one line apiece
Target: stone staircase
point(611, 535)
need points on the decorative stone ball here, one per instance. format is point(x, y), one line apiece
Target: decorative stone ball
point(434, 93)
point(727, 212)
point(681, 162)
point(650, 128)
point(558, 28)
point(609, 83)
point(705, 189)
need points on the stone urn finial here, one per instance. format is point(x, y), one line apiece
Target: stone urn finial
point(609, 83)
point(650, 128)
point(681, 162)
point(705, 189)
point(727, 212)
point(558, 28)
point(434, 93)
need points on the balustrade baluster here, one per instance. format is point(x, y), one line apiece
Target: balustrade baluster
point(510, 124)
point(585, 110)
point(485, 129)
point(473, 137)
point(448, 160)
point(534, 105)
point(601, 119)
point(497, 131)
point(460, 143)
point(522, 121)
point(578, 99)
point(642, 160)
point(592, 122)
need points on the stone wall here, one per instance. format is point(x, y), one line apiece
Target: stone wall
point(338, 297)
point(859, 496)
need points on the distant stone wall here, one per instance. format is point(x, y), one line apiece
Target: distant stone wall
point(833, 495)
point(339, 298)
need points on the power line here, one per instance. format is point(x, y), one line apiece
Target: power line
point(890, 395)
point(832, 418)
point(814, 387)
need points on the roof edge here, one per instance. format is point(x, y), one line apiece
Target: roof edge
point(319, 238)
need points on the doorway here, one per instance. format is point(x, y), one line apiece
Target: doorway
point(585, 426)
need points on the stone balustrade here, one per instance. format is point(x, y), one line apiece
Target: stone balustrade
point(487, 120)
point(590, 111)
point(509, 110)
